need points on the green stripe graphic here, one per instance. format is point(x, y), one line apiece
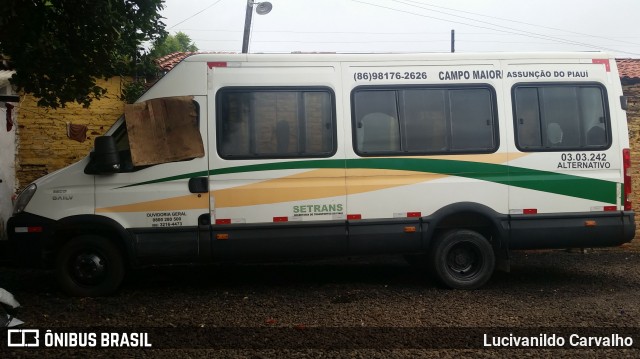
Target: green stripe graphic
point(545, 181)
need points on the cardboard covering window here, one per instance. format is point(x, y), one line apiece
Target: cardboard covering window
point(163, 130)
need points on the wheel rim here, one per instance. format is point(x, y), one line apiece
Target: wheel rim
point(88, 268)
point(464, 260)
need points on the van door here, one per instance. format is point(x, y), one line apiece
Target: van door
point(158, 204)
point(277, 168)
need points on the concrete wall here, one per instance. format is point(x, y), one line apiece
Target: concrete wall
point(43, 145)
point(7, 167)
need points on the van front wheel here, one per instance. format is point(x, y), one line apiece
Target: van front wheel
point(462, 259)
point(89, 266)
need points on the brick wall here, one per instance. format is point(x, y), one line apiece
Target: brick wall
point(633, 118)
point(42, 142)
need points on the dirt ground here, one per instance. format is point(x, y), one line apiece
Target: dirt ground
point(350, 308)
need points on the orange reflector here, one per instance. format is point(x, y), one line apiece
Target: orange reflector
point(222, 236)
point(589, 223)
point(354, 216)
point(409, 229)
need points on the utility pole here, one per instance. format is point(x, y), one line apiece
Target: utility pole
point(262, 9)
point(453, 41)
point(247, 27)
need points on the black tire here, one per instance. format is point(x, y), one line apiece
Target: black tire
point(89, 266)
point(462, 259)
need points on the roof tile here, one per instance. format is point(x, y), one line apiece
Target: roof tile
point(168, 62)
point(629, 69)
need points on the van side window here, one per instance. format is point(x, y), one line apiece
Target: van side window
point(420, 120)
point(559, 117)
point(275, 123)
point(377, 128)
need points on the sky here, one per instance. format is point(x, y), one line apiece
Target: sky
point(348, 26)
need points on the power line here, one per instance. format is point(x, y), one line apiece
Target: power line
point(506, 27)
point(500, 29)
point(523, 31)
point(319, 32)
point(196, 14)
point(328, 42)
point(395, 33)
point(382, 41)
point(510, 20)
point(518, 32)
point(350, 42)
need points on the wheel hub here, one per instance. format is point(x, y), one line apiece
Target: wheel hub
point(88, 267)
point(463, 260)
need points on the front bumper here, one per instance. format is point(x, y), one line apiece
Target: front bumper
point(30, 241)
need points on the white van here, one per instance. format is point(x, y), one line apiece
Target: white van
point(454, 159)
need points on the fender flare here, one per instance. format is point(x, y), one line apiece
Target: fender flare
point(499, 222)
point(98, 225)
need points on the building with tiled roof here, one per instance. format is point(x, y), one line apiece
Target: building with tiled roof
point(168, 62)
point(629, 70)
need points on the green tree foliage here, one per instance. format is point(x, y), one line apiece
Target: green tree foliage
point(59, 48)
point(131, 91)
point(146, 71)
point(180, 42)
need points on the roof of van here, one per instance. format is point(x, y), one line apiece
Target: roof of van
point(629, 68)
point(311, 57)
point(169, 61)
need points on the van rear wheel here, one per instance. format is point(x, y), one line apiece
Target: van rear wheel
point(462, 259)
point(89, 266)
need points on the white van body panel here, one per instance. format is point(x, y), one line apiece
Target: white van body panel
point(313, 155)
point(64, 193)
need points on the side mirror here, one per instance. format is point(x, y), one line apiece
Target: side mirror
point(104, 158)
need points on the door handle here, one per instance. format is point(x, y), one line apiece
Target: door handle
point(199, 184)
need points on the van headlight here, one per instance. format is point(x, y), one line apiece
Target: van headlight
point(23, 198)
